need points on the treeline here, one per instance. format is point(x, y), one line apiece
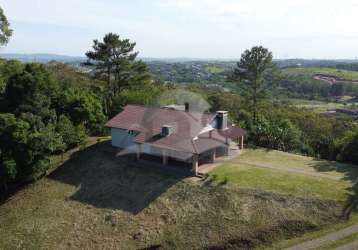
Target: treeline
point(284, 127)
point(42, 113)
point(303, 86)
point(46, 109)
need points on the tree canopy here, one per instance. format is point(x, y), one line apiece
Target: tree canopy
point(255, 75)
point(115, 62)
point(5, 30)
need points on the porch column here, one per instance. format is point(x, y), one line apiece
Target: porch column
point(139, 150)
point(226, 150)
point(241, 142)
point(213, 155)
point(165, 157)
point(195, 163)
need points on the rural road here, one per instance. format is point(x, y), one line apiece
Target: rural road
point(330, 238)
point(293, 170)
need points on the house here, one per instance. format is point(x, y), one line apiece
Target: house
point(174, 133)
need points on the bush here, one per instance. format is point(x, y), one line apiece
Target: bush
point(349, 147)
point(72, 135)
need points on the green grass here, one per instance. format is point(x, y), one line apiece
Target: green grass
point(94, 200)
point(341, 242)
point(247, 172)
point(214, 70)
point(317, 106)
point(346, 74)
point(316, 234)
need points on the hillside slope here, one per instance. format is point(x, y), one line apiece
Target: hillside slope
point(96, 200)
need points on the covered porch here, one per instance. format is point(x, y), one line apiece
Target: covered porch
point(206, 156)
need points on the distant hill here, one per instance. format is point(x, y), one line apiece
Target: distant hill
point(43, 58)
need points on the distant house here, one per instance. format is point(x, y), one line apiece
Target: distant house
point(174, 133)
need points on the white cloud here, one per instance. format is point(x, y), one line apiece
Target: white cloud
point(199, 28)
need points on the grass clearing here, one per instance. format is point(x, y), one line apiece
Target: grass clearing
point(317, 106)
point(286, 173)
point(345, 74)
point(214, 69)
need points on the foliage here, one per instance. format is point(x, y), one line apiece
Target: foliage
point(255, 75)
point(115, 62)
point(276, 134)
point(25, 153)
point(144, 96)
point(51, 113)
point(5, 31)
point(31, 90)
point(300, 83)
point(7, 69)
point(83, 108)
point(72, 135)
point(349, 147)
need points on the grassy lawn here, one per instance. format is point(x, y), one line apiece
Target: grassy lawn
point(95, 200)
point(287, 173)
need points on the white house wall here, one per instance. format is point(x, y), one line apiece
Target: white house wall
point(121, 138)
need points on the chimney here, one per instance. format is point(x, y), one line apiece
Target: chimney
point(221, 118)
point(167, 130)
point(186, 107)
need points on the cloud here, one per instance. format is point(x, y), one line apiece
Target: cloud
point(200, 28)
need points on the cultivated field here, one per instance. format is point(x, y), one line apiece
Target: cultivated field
point(96, 200)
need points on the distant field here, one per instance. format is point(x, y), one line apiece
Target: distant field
point(95, 200)
point(346, 74)
point(317, 106)
point(215, 69)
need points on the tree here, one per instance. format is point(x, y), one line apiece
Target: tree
point(349, 147)
point(32, 91)
point(83, 108)
point(5, 31)
point(255, 74)
point(115, 62)
point(72, 135)
point(13, 134)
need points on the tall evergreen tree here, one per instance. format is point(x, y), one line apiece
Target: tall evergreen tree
point(255, 74)
point(115, 62)
point(5, 31)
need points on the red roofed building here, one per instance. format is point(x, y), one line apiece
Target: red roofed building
point(171, 133)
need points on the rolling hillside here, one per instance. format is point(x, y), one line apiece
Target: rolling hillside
point(95, 200)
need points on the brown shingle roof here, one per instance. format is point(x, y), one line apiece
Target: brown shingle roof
point(148, 121)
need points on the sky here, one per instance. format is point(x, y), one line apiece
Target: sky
point(221, 29)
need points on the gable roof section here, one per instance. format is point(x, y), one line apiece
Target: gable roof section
point(148, 121)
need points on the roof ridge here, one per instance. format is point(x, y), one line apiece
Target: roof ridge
point(170, 110)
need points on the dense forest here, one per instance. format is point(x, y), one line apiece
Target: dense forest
point(47, 109)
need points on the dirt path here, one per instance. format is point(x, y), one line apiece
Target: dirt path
point(292, 170)
point(351, 246)
point(328, 239)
